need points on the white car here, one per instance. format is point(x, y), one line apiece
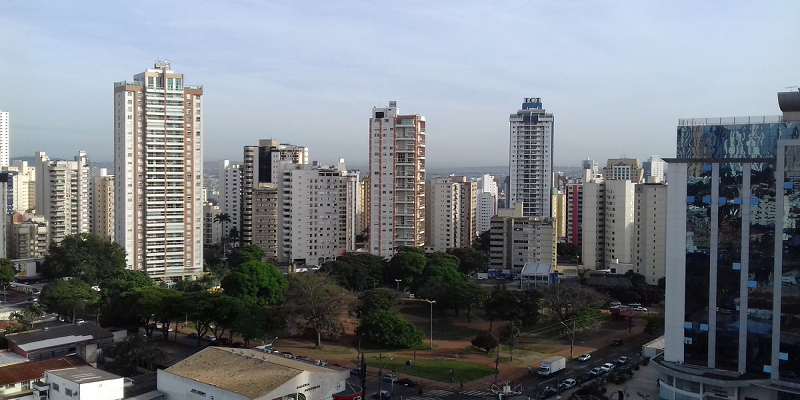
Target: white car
point(607, 367)
point(390, 378)
point(584, 357)
point(640, 308)
point(568, 384)
point(596, 371)
point(623, 360)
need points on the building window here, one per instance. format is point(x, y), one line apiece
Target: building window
point(55, 386)
point(26, 385)
point(68, 392)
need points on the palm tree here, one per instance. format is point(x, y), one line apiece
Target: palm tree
point(222, 219)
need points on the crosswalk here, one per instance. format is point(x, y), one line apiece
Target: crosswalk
point(435, 394)
point(478, 393)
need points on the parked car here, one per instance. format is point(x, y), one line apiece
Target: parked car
point(193, 335)
point(548, 392)
point(596, 371)
point(607, 367)
point(584, 377)
point(584, 357)
point(634, 305)
point(383, 394)
point(302, 358)
point(616, 342)
point(355, 372)
point(209, 338)
point(79, 321)
point(407, 382)
point(623, 360)
point(287, 355)
point(640, 308)
point(567, 384)
point(615, 304)
point(389, 378)
point(321, 363)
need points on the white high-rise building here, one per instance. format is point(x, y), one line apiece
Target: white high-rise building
point(230, 197)
point(30, 177)
point(654, 169)
point(20, 200)
point(651, 231)
point(531, 158)
point(443, 209)
point(397, 180)
point(4, 138)
point(262, 164)
point(607, 239)
point(158, 170)
point(318, 217)
point(486, 203)
point(63, 196)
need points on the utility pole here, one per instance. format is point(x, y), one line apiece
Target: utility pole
point(497, 363)
point(363, 374)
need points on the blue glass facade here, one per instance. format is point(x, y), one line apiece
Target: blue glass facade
point(733, 192)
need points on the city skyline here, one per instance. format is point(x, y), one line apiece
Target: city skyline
point(269, 65)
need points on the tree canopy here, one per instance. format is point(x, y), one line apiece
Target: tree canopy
point(357, 271)
point(86, 257)
point(315, 302)
point(512, 305)
point(261, 282)
point(566, 300)
point(389, 329)
point(407, 265)
point(7, 272)
point(470, 260)
point(375, 300)
point(68, 298)
point(245, 254)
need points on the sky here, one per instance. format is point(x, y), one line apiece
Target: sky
point(616, 75)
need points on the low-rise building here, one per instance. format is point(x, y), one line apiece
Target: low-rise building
point(239, 374)
point(87, 340)
point(18, 380)
point(81, 383)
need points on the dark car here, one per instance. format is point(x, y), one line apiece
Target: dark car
point(407, 382)
point(584, 377)
point(302, 358)
point(355, 372)
point(383, 394)
point(193, 335)
point(616, 342)
point(548, 393)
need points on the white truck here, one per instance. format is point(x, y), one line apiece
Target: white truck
point(482, 276)
point(552, 366)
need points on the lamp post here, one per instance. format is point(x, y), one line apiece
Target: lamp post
point(431, 302)
point(572, 337)
point(398, 283)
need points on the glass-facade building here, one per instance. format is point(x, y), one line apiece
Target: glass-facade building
point(733, 260)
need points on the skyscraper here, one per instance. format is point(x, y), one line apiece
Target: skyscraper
point(103, 207)
point(230, 197)
point(733, 257)
point(262, 164)
point(63, 196)
point(397, 180)
point(4, 138)
point(531, 158)
point(158, 171)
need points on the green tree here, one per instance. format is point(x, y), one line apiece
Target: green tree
point(470, 260)
point(7, 274)
point(389, 329)
point(132, 353)
point(441, 259)
point(512, 305)
point(226, 311)
point(469, 295)
point(563, 301)
point(258, 281)
point(68, 298)
point(257, 322)
point(356, 271)
point(509, 336)
point(115, 308)
point(156, 304)
point(86, 257)
point(407, 264)
point(485, 341)
point(222, 219)
point(377, 300)
point(199, 308)
point(315, 302)
point(245, 254)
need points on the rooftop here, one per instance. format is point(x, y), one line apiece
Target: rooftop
point(58, 336)
point(29, 371)
point(246, 372)
point(84, 374)
point(762, 119)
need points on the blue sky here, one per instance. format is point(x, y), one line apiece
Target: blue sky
point(616, 75)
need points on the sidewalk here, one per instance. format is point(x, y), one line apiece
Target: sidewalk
point(642, 386)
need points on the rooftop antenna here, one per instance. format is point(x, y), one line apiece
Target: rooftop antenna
point(792, 87)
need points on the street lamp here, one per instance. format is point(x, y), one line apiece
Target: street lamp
point(398, 283)
point(431, 302)
point(572, 337)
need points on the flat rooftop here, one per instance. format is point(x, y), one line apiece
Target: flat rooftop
point(58, 336)
point(760, 119)
point(81, 375)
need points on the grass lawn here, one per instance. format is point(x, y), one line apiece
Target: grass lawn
point(453, 332)
point(438, 370)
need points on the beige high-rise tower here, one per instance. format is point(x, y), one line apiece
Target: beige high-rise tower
point(158, 173)
point(397, 180)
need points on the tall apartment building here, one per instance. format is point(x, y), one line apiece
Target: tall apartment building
point(4, 138)
point(28, 236)
point(158, 173)
point(608, 225)
point(28, 174)
point(262, 164)
point(443, 214)
point(20, 200)
point(63, 196)
point(559, 215)
point(212, 230)
point(654, 169)
point(6, 201)
point(264, 220)
point(230, 197)
point(397, 180)
point(515, 239)
point(531, 158)
point(733, 251)
point(486, 203)
point(620, 169)
point(103, 207)
point(574, 205)
point(651, 231)
point(317, 217)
